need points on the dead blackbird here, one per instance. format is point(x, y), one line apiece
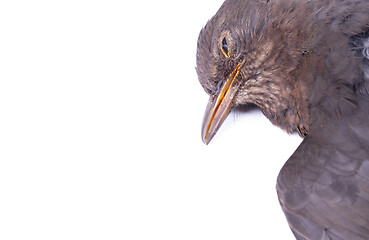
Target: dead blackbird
point(305, 64)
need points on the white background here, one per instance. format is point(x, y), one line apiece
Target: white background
point(100, 116)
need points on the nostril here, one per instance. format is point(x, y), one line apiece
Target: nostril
point(366, 52)
point(366, 49)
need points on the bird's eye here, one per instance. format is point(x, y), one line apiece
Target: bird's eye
point(224, 46)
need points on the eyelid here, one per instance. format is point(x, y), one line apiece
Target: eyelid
point(226, 54)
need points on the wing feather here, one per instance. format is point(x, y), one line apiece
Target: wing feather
point(324, 188)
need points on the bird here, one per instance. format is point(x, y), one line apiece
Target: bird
point(305, 65)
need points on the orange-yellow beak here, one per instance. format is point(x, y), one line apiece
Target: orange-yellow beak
point(219, 106)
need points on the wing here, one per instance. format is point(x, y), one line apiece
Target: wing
point(324, 187)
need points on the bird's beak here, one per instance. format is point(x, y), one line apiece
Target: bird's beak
point(219, 106)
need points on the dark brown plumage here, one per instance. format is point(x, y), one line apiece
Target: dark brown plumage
point(305, 64)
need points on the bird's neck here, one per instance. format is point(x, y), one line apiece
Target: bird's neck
point(290, 113)
point(318, 75)
point(313, 91)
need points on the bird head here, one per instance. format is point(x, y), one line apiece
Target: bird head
point(246, 55)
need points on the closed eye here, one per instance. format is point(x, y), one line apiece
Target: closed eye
point(224, 47)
